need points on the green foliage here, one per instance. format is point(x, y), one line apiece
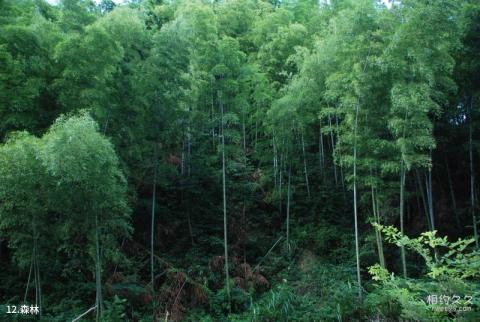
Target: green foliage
point(59, 184)
point(108, 110)
point(442, 258)
point(277, 305)
point(240, 300)
point(452, 268)
point(115, 310)
point(26, 192)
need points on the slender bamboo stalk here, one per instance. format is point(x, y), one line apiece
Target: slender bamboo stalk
point(288, 205)
point(39, 283)
point(227, 284)
point(189, 169)
point(333, 151)
point(472, 176)
point(424, 202)
point(377, 204)
point(98, 278)
point(189, 151)
point(355, 208)
point(342, 179)
point(321, 153)
point(355, 213)
point(428, 185)
point(28, 280)
point(305, 166)
point(402, 215)
point(280, 178)
point(84, 313)
point(378, 236)
point(452, 194)
point(275, 162)
point(152, 229)
point(212, 114)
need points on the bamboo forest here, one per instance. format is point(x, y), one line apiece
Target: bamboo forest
point(239, 160)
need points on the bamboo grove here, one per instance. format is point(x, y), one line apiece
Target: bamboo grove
point(239, 160)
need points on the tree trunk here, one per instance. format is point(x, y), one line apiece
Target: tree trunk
point(29, 277)
point(280, 178)
point(333, 151)
point(472, 176)
point(36, 269)
point(342, 179)
point(428, 185)
point(288, 205)
point(355, 214)
point(452, 194)
point(275, 162)
point(305, 166)
point(227, 284)
point(212, 114)
point(244, 210)
point(378, 235)
point(377, 204)
point(152, 229)
point(189, 151)
point(402, 215)
point(321, 154)
point(98, 271)
point(424, 201)
point(189, 170)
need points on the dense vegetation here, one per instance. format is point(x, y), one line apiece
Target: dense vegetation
point(240, 160)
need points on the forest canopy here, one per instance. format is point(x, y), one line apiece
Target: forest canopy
point(239, 160)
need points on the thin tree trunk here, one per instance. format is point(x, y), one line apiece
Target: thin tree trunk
point(402, 188)
point(472, 176)
point(189, 151)
point(98, 271)
point(378, 236)
point(39, 283)
point(288, 205)
point(256, 133)
point(28, 280)
point(452, 194)
point(428, 185)
point(377, 204)
point(84, 313)
point(342, 179)
point(244, 218)
point(280, 184)
point(36, 269)
point(35, 276)
point(355, 214)
point(333, 151)
point(189, 170)
point(227, 284)
point(182, 161)
point(35, 266)
point(244, 134)
point(275, 162)
point(152, 229)
point(321, 152)
point(424, 201)
point(305, 166)
point(212, 113)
